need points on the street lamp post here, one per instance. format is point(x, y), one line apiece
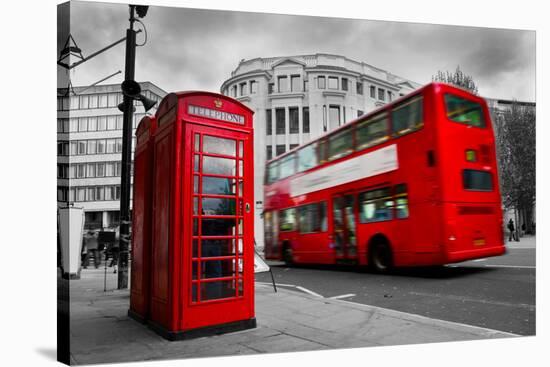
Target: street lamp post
point(131, 91)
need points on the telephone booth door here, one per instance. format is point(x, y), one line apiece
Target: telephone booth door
point(222, 223)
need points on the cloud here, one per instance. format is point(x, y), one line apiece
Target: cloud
point(198, 49)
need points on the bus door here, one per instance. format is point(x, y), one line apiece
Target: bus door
point(344, 233)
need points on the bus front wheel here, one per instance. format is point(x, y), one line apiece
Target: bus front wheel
point(380, 257)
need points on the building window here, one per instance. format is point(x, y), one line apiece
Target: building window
point(280, 121)
point(101, 123)
point(103, 100)
point(100, 170)
point(120, 121)
point(110, 148)
point(74, 102)
point(344, 83)
point(390, 96)
point(268, 123)
point(234, 91)
point(118, 148)
point(292, 146)
point(243, 89)
point(332, 82)
point(81, 171)
point(73, 124)
point(82, 147)
point(381, 94)
point(73, 148)
point(359, 87)
point(359, 113)
point(100, 193)
point(268, 152)
point(305, 120)
point(334, 116)
point(84, 100)
point(91, 169)
point(372, 91)
point(92, 123)
point(111, 122)
point(295, 83)
point(82, 124)
point(90, 194)
point(279, 149)
point(92, 146)
point(80, 194)
point(253, 87)
point(270, 88)
point(109, 169)
point(100, 146)
point(112, 100)
point(321, 82)
point(306, 85)
point(294, 123)
point(282, 84)
point(324, 118)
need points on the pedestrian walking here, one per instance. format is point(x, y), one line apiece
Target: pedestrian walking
point(93, 249)
point(114, 248)
point(511, 229)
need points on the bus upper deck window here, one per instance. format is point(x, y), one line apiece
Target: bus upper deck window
point(407, 116)
point(307, 157)
point(464, 111)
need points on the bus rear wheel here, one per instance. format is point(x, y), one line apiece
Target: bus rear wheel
point(380, 257)
point(287, 255)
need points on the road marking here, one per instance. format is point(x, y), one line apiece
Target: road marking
point(511, 266)
point(344, 296)
point(309, 292)
point(478, 260)
point(468, 299)
point(281, 284)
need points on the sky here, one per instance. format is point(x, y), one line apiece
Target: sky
point(197, 49)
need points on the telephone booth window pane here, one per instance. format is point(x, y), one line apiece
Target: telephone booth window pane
point(217, 268)
point(196, 206)
point(195, 226)
point(219, 166)
point(217, 290)
point(194, 287)
point(216, 145)
point(218, 206)
point(197, 143)
point(241, 144)
point(196, 184)
point(218, 185)
point(241, 287)
point(195, 273)
point(240, 227)
point(241, 168)
point(195, 248)
point(217, 227)
point(217, 247)
point(197, 162)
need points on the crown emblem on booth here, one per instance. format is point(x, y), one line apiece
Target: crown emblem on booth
point(218, 103)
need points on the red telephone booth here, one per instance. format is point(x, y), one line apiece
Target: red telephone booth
point(202, 267)
point(141, 219)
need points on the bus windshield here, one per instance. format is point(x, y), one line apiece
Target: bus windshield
point(464, 111)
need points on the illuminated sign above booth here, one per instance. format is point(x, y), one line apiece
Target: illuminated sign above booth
point(213, 114)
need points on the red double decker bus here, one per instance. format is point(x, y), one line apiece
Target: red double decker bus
point(413, 183)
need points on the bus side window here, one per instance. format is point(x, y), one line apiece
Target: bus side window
point(372, 131)
point(322, 151)
point(312, 218)
point(407, 117)
point(340, 144)
point(287, 166)
point(288, 220)
point(272, 172)
point(307, 157)
point(401, 201)
point(376, 205)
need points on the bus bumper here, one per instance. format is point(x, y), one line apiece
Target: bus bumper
point(458, 256)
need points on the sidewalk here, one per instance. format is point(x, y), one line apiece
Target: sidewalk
point(288, 321)
point(527, 241)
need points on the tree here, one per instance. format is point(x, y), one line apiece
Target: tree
point(458, 78)
point(516, 139)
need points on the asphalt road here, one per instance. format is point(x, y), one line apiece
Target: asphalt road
point(496, 293)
